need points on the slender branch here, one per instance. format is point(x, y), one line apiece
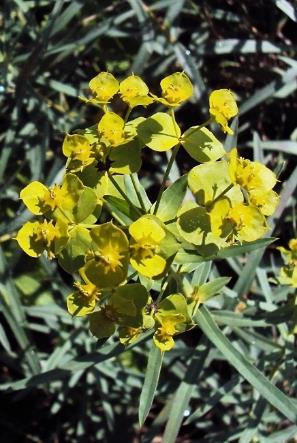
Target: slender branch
point(165, 177)
point(222, 193)
point(137, 191)
point(127, 114)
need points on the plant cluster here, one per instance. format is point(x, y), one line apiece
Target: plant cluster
point(101, 226)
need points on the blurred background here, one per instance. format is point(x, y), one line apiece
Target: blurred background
point(49, 50)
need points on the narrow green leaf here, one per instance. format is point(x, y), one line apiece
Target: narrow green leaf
point(270, 392)
point(184, 392)
point(212, 288)
point(184, 257)
point(268, 91)
point(287, 8)
point(214, 399)
point(172, 199)
point(237, 45)
point(153, 369)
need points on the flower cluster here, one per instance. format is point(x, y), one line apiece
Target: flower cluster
point(100, 225)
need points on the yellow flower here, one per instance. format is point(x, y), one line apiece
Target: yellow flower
point(38, 236)
point(176, 88)
point(250, 175)
point(134, 92)
point(146, 235)
point(266, 202)
point(111, 129)
point(107, 260)
point(167, 328)
point(104, 86)
point(83, 300)
point(79, 149)
point(247, 222)
point(222, 106)
point(256, 179)
point(39, 199)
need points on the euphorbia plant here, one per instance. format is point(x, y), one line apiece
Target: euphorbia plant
point(127, 253)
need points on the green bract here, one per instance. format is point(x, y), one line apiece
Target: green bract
point(159, 132)
point(125, 307)
point(202, 145)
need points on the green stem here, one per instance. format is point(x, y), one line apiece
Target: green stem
point(176, 127)
point(165, 177)
point(127, 114)
point(195, 128)
point(118, 188)
point(168, 222)
point(83, 225)
point(137, 191)
point(222, 193)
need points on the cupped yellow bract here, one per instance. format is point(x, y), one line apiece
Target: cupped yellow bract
point(83, 300)
point(167, 327)
point(103, 87)
point(39, 199)
point(176, 88)
point(108, 258)
point(222, 106)
point(265, 201)
point(79, 150)
point(246, 222)
point(38, 236)
point(71, 201)
point(111, 129)
point(146, 235)
point(249, 174)
point(134, 92)
point(172, 317)
point(256, 179)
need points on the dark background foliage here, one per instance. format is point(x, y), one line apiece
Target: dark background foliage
point(49, 51)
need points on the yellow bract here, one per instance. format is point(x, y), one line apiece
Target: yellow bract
point(248, 224)
point(256, 179)
point(147, 234)
point(222, 106)
point(266, 202)
point(83, 300)
point(107, 260)
point(176, 88)
point(163, 337)
point(250, 175)
point(39, 199)
point(111, 129)
point(33, 196)
point(38, 236)
point(104, 86)
point(134, 92)
point(78, 148)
